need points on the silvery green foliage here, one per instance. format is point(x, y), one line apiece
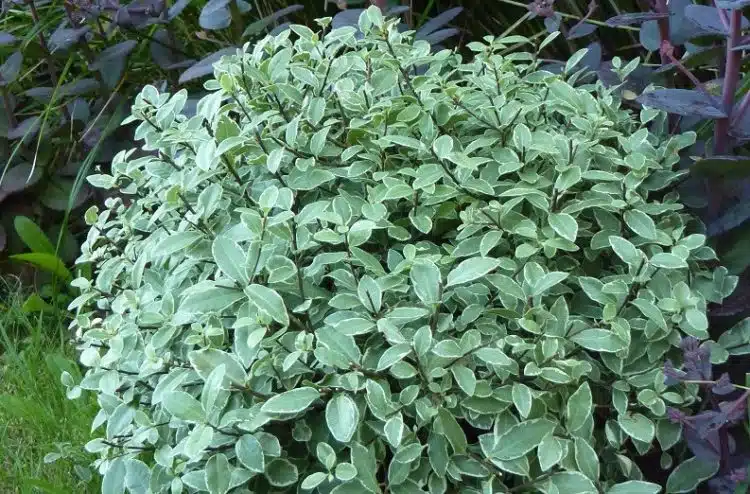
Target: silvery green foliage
point(343, 277)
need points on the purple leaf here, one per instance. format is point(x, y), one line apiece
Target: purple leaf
point(397, 10)
point(684, 102)
point(215, 15)
point(79, 110)
point(734, 410)
point(634, 18)
point(552, 23)
point(6, 38)
point(279, 29)
point(593, 58)
point(19, 178)
point(732, 4)
point(649, 36)
point(722, 166)
point(723, 386)
point(348, 17)
point(26, 129)
point(580, 30)
point(113, 54)
point(672, 375)
point(707, 20)
point(9, 70)
point(437, 22)
point(40, 93)
point(163, 50)
point(59, 193)
point(141, 13)
point(261, 24)
point(205, 66)
point(79, 87)
point(705, 447)
point(64, 38)
point(441, 35)
point(177, 8)
point(111, 62)
point(734, 216)
point(741, 128)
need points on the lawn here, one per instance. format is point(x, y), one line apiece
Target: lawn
point(36, 417)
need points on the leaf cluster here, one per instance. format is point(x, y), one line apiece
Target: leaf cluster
point(365, 266)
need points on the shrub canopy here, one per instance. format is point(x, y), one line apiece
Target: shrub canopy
point(364, 266)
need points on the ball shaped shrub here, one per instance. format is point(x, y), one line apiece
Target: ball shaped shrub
point(367, 267)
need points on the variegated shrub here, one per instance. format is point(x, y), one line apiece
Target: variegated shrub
point(367, 267)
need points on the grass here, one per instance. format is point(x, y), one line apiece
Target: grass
point(36, 417)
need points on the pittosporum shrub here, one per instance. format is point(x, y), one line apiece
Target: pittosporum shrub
point(366, 267)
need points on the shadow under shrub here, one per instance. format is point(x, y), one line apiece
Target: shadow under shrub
point(363, 266)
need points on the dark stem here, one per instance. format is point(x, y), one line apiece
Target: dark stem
point(731, 77)
point(8, 107)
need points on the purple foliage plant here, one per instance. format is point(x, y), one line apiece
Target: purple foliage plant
point(708, 432)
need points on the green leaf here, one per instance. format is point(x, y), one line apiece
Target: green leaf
point(230, 258)
point(640, 223)
point(443, 146)
point(183, 406)
point(426, 280)
point(452, 431)
point(250, 453)
point(47, 262)
point(313, 480)
point(114, 478)
point(281, 472)
point(33, 236)
point(564, 225)
point(218, 474)
point(579, 407)
point(393, 355)
point(404, 141)
point(690, 474)
point(573, 482)
point(599, 340)
point(176, 242)
point(210, 299)
point(637, 426)
point(205, 361)
point(586, 459)
point(667, 261)
point(494, 356)
point(268, 301)
point(394, 430)
point(370, 294)
point(471, 269)
point(625, 250)
point(522, 399)
point(548, 281)
point(522, 438)
point(465, 378)
point(342, 417)
point(290, 402)
point(634, 487)
point(549, 452)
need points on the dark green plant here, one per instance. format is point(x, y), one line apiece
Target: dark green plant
point(365, 266)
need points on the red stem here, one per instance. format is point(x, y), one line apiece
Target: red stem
point(661, 8)
point(722, 15)
point(731, 78)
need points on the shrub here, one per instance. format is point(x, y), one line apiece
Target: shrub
point(366, 267)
